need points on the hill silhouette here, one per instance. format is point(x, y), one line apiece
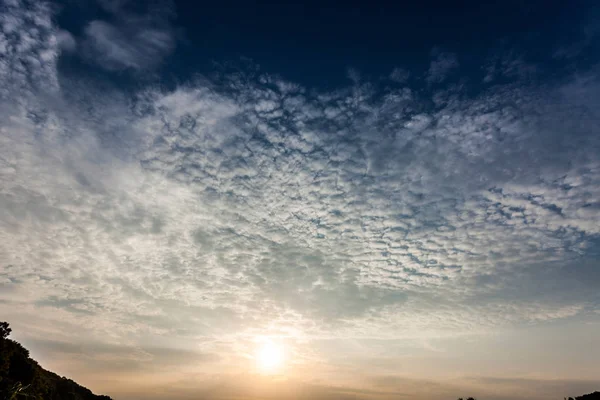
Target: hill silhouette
point(21, 377)
point(590, 396)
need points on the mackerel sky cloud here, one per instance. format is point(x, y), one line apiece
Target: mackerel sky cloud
point(422, 229)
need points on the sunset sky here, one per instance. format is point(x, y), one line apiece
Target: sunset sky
point(307, 201)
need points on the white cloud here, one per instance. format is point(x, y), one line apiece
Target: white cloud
point(224, 204)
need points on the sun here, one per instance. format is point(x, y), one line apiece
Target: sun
point(270, 357)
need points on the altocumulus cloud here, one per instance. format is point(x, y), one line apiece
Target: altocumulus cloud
point(223, 208)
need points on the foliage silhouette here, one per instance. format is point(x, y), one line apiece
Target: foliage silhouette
point(23, 378)
point(4, 330)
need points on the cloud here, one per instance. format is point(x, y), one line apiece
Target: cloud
point(28, 47)
point(217, 211)
point(509, 65)
point(399, 75)
point(130, 359)
point(66, 41)
point(132, 43)
point(130, 38)
point(255, 387)
point(441, 66)
point(291, 203)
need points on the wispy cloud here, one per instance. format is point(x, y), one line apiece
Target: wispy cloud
point(441, 66)
point(399, 75)
point(129, 40)
point(132, 43)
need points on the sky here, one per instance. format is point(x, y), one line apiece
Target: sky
point(403, 201)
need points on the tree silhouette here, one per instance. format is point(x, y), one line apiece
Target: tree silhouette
point(23, 378)
point(4, 330)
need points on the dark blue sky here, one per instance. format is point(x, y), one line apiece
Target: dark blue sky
point(313, 43)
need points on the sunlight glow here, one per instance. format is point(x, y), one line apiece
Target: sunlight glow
point(270, 357)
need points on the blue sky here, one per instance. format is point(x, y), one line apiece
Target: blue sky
point(406, 199)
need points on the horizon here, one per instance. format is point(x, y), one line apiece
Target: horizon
point(294, 201)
